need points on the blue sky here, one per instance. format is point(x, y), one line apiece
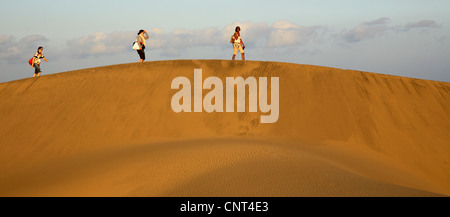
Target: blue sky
point(398, 37)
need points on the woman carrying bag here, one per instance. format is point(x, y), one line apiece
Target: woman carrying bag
point(36, 61)
point(238, 44)
point(140, 41)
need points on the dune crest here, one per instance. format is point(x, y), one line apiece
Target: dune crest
point(110, 131)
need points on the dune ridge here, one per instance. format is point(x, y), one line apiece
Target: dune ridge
point(110, 131)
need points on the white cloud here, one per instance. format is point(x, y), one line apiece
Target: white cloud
point(172, 44)
point(283, 35)
point(280, 34)
point(381, 21)
point(367, 30)
point(379, 27)
point(19, 51)
point(100, 43)
point(422, 24)
point(279, 41)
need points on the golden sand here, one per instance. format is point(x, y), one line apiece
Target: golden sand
point(110, 131)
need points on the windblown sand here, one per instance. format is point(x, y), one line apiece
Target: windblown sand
point(110, 131)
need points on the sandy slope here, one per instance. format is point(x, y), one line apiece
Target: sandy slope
point(110, 131)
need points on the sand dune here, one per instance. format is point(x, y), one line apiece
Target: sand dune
point(110, 131)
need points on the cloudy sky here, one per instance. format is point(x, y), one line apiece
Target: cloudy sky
point(398, 37)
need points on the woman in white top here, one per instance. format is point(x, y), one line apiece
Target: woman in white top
point(37, 61)
point(142, 36)
point(238, 43)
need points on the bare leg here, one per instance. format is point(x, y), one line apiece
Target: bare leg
point(39, 74)
point(34, 75)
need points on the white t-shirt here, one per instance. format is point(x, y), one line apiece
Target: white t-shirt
point(38, 57)
point(237, 40)
point(141, 39)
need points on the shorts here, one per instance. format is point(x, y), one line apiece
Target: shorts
point(141, 54)
point(238, 46)
point(37, 68)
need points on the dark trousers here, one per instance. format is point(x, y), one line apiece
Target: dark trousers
point(141, 54)
point(37, 68)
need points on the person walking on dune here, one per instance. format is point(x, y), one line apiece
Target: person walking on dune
point(238, 44)
point(36, 62)
point(142, 36)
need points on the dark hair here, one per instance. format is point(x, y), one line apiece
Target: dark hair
point(39, 49)
point(237, 27)
point(140, 31)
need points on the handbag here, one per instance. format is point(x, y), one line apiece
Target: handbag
point(136, 46)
